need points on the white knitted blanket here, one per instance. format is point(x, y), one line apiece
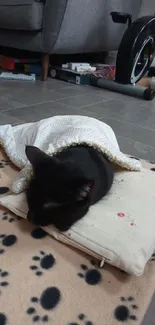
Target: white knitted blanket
point(56, 133)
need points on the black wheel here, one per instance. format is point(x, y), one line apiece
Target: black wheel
point(136, 51)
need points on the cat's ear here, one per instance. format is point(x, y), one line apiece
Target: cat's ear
point(85, 190)
point(35, 155)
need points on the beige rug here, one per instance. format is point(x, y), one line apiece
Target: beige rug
point(45, 282)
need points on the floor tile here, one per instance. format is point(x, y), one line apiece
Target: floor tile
point(136, 149)
point(101, 109)
point(131, 131)
point(53, 84)
point(74, 91)
point(82, 100)
point(30, 96)
point(6, 104)
point(129, 112)
point(131, 118)
point(4, 119)
point(50, 84)
point(40, 111)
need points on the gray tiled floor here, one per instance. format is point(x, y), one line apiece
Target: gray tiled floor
point(132, 120)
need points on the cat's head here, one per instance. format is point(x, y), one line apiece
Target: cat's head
point(59, 193)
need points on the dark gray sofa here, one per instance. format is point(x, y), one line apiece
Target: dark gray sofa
point(62, 26)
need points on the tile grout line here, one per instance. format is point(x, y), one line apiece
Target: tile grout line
point(115, 117)
point(135, 141)
point(9, 116)
point(130, 123)
point(51, 101)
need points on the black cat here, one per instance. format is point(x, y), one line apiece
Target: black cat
point(66, 185)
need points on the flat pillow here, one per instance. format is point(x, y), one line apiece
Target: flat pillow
point(120, 229)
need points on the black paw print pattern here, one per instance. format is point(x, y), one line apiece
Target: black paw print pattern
point(4, 162)
point(3, 319)
point(153, 257)
point(81, 320)
point(7, 241)
point(48, 300)
point(125, 311)
point(7, 217)
point(45, 262)
point(4, 190)
point(3, 278)
point(91, 276)
point(38, 233)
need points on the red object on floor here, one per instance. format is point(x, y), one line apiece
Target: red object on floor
point(7, 63)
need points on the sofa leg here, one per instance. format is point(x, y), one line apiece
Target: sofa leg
point(45, 65)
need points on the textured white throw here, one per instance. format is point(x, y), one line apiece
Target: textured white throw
point(56, 133)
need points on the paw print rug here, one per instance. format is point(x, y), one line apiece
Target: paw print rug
point(42, 281)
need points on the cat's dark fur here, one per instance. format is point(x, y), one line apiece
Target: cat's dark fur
point(66, 185)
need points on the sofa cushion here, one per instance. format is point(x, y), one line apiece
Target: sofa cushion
point(21, 14)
